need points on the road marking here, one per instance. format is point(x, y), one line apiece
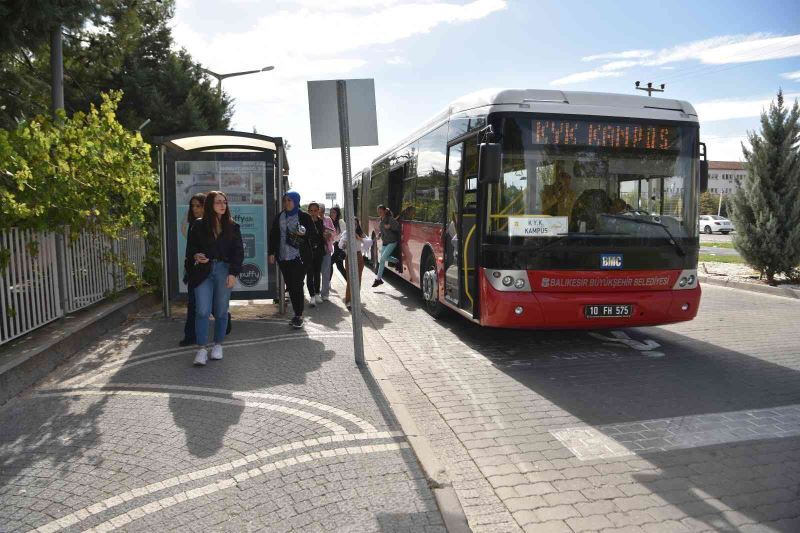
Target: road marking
point(119, 499)
point(361, 423)
point(330, 424)
point(169, 501)
point(664, 434)
point(589, 443)
point(174, 352)
point(647, 346)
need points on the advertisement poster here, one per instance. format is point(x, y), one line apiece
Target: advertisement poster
point(243, 184)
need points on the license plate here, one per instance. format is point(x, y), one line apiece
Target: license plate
point(608, 311)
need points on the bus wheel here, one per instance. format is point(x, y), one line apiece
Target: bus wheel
point(430, 288)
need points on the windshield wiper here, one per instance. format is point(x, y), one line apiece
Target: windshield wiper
point(670, 238)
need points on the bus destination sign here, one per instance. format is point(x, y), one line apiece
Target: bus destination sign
point(605, 134)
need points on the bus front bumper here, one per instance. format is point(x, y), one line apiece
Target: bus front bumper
point(567, 310)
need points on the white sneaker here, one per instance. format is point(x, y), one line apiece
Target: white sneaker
point(201, 358)
point(318, 299)
point(325, 298)
point(216, 352)
point(313, 301)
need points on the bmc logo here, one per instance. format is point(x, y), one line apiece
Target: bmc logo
point(611, 261)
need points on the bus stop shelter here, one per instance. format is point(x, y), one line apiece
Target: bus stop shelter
point(252, 171)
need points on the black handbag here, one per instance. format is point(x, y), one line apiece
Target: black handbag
point(295, 240)
point(198, 273)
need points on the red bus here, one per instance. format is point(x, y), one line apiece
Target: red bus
point(546, 209)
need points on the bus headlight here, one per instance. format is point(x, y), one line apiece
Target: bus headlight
point(686, 280)
point(508, 280)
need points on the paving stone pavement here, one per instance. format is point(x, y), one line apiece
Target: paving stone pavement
point(284, 434)
point(686, 427)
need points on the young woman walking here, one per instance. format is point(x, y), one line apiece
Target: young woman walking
point(195, 212)
point(215, 245)
point(289, 246)
point(328, 235)
point(314, 267)
point(390, 235)
point(338, 252)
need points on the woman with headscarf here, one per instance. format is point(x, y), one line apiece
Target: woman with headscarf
point(216, 247)
point(289, 246)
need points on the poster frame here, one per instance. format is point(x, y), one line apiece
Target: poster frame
point(171, 157)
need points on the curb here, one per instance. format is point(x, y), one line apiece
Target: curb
point(455, 520)
point(751, 287)
point(26, 360)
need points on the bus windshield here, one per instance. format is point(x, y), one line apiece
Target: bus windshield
point(605, 177)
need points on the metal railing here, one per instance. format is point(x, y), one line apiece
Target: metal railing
point(48, 275)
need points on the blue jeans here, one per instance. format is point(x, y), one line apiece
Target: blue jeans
point(212, 295)
point(386, 252)
point(188, 328)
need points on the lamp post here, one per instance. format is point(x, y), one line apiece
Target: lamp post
point(221, 77)
point(650, 89)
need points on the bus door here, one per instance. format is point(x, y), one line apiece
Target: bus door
point(397, 178)
point(461, 240)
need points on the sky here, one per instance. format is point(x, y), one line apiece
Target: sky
point(728, 58)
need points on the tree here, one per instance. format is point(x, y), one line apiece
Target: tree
point(25, 27)
point(84, 171)
point(766, 208)
point(111, 45)
point(710, 204)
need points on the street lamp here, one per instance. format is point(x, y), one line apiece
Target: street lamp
point(221, 77)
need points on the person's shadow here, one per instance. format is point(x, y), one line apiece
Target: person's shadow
point(203, 401)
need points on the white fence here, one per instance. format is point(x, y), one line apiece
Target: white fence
point(35, 291)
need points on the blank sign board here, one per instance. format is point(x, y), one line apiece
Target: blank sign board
point(324, 112)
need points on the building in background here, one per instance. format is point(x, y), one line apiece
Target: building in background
point(724, 176)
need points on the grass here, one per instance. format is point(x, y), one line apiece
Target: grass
point(712, 244)
point(711, 258)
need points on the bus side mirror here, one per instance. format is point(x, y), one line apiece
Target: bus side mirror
point(490, 163)
point(703, 176)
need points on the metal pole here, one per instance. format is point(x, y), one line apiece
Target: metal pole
point(719, 207)
point(162, 190)
point(57, 102)
point(57, 69)
point(279, 201)
point(352, 263)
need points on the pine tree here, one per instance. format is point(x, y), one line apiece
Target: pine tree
point(766, 208)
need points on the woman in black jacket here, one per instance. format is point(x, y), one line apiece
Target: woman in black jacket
point(194, 214)
point(289, 245)
point(215, 246)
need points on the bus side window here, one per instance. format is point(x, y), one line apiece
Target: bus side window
point(431, 179)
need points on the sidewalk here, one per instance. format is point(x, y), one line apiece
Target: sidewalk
point(284, 434)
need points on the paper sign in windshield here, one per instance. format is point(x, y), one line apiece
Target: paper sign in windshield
point(542, 226)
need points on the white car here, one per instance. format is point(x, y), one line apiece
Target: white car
point(714, 224)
